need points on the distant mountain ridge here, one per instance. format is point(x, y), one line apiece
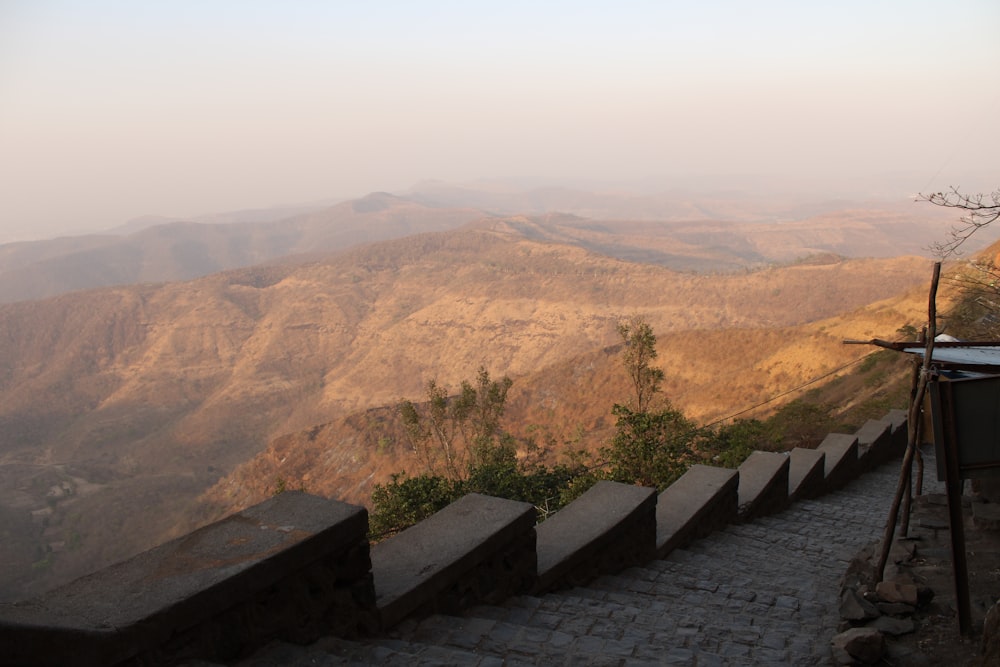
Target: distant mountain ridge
point(705, 233)
point(179, 250)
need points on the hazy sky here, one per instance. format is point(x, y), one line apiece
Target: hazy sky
point(112, 110)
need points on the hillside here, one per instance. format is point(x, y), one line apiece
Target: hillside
point(570, 401)
point(146, 396)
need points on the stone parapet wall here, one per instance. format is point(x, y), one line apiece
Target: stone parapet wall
point(298, 567)
point(703, 500)
point(477, 550)
point(609, 528)
point(294, 567)
point(333, 596)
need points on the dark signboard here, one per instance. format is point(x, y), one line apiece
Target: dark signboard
point(966, 416)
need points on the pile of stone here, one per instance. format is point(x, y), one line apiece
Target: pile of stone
point(873, 614)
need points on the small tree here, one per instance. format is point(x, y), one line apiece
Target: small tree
point(730, 444)
point(460, 442)
point(650, 447)
point(404, 501)
point(455, 433)
point(638, 354)
point(800, 423)
point(976, 312)
point(489, 400)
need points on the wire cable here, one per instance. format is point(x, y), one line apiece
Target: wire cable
point(790, 391)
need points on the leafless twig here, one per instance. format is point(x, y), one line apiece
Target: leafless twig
point(980, 210)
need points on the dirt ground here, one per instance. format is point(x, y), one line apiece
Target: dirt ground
point(925, 555)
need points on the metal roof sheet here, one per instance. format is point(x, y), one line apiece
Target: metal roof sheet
point(980, 355)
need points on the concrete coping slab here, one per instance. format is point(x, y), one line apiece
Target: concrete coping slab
point(414, 566)
point(874, 439)
point(591, 523)
point(763, 487)
point(136, 605)
point(841, 463)
point(873, 431)
point(806, 473)
point(897, 418)
point(704, 499)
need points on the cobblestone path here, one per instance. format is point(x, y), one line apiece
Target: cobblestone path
point(763, 593)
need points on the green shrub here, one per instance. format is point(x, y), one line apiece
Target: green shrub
point(404, 501)
point(650, 448)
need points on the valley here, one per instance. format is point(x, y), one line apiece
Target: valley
point(131, 414)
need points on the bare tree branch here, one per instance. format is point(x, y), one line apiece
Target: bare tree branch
point(980, 210)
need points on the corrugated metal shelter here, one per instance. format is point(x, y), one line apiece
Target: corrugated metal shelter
point(982, 357)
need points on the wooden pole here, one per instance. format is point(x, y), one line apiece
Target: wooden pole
point(956, 522)
point(904, 519)
point(914, 414)
point(919, 488)
point(919, 426)
point(913, 433)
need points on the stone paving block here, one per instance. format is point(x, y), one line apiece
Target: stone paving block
point(712, 660)
point(767, 656)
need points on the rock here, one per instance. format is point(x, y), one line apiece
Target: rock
point(896, 609)
point(893, 626)
point(990, 647)
point(899, 653)
point(853, 607)
point(986, 516)
point(933, 523)
point(860, 571)
point(840, 656)
point(902, 551)
point(893, 591)
point(866, 645)
point(939, 499)
point(988, 489)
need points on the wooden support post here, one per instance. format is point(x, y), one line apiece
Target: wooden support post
point(914, 414)
point(953, 488)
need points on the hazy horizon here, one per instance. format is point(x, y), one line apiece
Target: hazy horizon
point(110, 111)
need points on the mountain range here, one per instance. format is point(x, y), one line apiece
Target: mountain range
point(683, 231)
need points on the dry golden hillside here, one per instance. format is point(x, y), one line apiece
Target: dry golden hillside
point(143, 397)
point(710, 374)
